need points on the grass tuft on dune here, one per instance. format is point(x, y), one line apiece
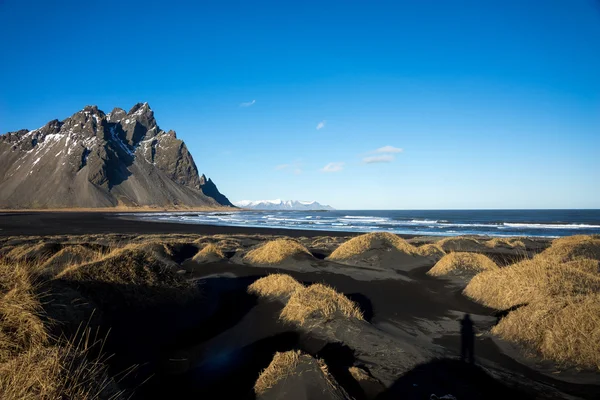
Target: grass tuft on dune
point(318, 301)
point(276, 252)
point(134, 275)
point(460, 243)
point(36, 253)
point(532, 280)
point(431, 250)
point(70, 256)
point(282, 366)
point(571, 248)
point(513, 243)
point(562, 329)
point(462, 264)
point(210, 253)
point(371, 241)
point(559, 294)
point(34, 365)
point(275, 286)
point(295, 364)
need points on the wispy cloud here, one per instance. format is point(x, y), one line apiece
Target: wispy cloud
point(321, 124)
point(292, 168)
point(378, 159)
point(387, 154)
point(333, 167)
point(248, 104)
point(388, 149)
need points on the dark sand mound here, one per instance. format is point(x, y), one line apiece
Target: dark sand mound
point(574, 247)
point(532, 280)
point(461, 264)
point(562, 329)
point(209, 253)
point(275, 286)
point(380, 250)
point(326, 316)
point(552, 300)
point(370, 387)
point(432, 251)
point(131, 275)
point(70, 256)
point(286, 253)
point(297, 376)
point(34, 253)
point(506, 243)
point(318, 302)
point(461, 243)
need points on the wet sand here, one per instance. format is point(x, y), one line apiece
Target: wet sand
point(82, 223)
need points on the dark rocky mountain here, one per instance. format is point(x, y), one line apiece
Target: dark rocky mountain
point(93, 159)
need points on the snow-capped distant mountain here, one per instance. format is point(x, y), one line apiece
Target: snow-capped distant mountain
point(293, 205)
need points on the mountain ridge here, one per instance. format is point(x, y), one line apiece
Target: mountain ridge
point(278, 204)
point(98, 160)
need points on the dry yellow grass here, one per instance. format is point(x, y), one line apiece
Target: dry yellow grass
point(282, 366)
point(371, 241)
point(275, 286)
point(20, 325)
point(531, 280)
point(71, 256)
point(33, 253)
point(32, 364)
point(276, 251)
point(574, 247)
point(462, 264)
point(460, 243)
point(562, 329)
point(210, 253)
point(511, 243)
point(318, 301)
point(431, 250)
point(134, 275)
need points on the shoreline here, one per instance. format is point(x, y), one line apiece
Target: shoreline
point(33, 223)
point(51, 223)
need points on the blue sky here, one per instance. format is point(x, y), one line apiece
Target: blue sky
point(495, 104)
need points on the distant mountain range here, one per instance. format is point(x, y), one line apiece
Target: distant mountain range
point(93, 159)
point(292, 205)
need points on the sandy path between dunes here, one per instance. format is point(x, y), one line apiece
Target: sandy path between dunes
point(422, 315)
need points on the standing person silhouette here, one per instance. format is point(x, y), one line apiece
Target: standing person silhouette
point(467, 333)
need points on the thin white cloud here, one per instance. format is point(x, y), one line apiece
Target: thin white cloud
point(388, 149)
point(291, 168)
point(333, 167)
point(248, 104)
point(321, 124)
point(386, 158)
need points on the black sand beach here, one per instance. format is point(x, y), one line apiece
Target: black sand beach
point(216, 345)
point(82, 223)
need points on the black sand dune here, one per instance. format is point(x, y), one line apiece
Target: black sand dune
point(217, 343)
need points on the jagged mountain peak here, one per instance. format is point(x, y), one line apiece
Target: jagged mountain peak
point(93, 159)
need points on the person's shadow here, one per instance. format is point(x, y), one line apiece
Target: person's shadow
point(467, 333)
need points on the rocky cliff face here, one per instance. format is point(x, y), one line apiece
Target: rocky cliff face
point(93, 159)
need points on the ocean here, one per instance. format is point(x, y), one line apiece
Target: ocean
point(541, 223)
